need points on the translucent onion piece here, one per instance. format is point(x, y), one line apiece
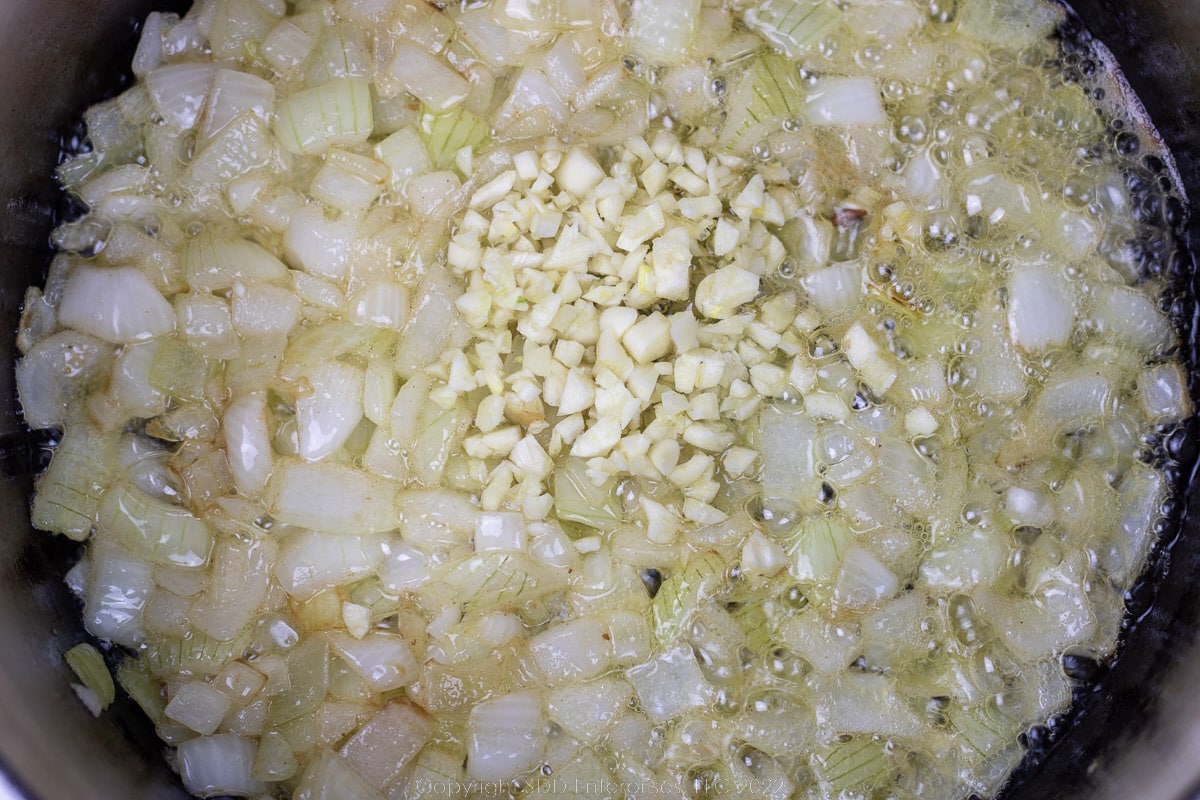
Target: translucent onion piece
point(586, 710)
point(237, 587)
point(53, 373)
point(1130, 317)
point(214, 262)
point(117, 305)
point(788, 439)
point(199, 706)
point(385, 304)
point(217, 765)
point(575, 650)
point(428, 78)
point(179, 91)
point(385, 661)
point(319, 245)
point(248, 443)
point(309, 562)
point(670, 684)
point(793, 25)
point(232, 93)
point(334, 114)
point(330, 409)
point(388, 742)
point(845, 101)
point(88, 665)
point(331, 497)
point(506, 736)
point(116, 593)
point(159, 531)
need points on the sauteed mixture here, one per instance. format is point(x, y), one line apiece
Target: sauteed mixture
point(696, 398)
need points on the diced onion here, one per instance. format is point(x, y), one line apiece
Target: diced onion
point(506, 736)
point(331, 497)
point(1041, 310)
point(117, 305)
point(179, 91)
point(337, 113)
point(212, 766)
point(388, 742)
point(845, 101)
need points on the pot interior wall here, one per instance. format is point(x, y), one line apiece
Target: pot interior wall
point(52, 748)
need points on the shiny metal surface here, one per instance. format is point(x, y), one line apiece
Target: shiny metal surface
point(1139, 737)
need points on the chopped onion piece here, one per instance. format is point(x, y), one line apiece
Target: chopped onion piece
point(179, 91)
point(835, 288)
point(1130, 317)
point(54, 372)
point(1041, 311)
point(445, 135)
point(845, 101)
point(431, 322)
point(384, 304)
point(506, 736)
point(309, 561)
point(274, 759)
point(240, 147)
point(286, 46)
point(70, 490)
point(1164, 393)
point(820, 550)
point(793, 25)
point(213, 262)
point(199, 706)
point(87, 663)
point(853, 762)
point(572, 651)
point(428, 78)
point(238, 585)
point(116, 592)
point(149, 54)
point(349, 182)
point(404, 154)
point(670, 684)
point(532, 98)
point(118, 305)
point(232, 93)
point(330, 409)
point(863, 580)
point(319, 245)
point(219, 765)
point(384, 660)
point(337, 113)
point(1011, 23)
point(498, 578)
point(662, 30)
point(388, 742)
point(158, 531)
point(331, 497)
point(248, 443)
point(586, 710)
point(787, 439)
point(1074, 400)
point(341, 52)
point(499, 530)
point(330, 777)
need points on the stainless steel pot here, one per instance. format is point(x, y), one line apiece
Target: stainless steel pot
point(1136, 736)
